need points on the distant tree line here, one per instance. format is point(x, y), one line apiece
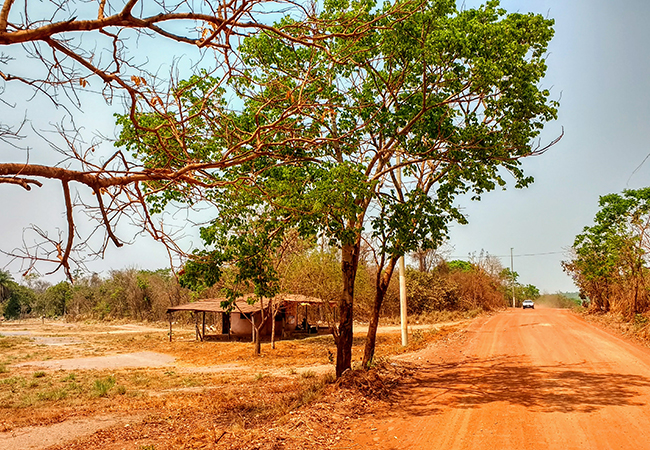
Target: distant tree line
point(609, 261)
point(143, 295)
point(125, 294)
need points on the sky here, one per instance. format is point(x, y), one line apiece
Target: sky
point(598, 69)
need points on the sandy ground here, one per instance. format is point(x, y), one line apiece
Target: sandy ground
point(79, 339)
point(121, 361)
point(31, 438)
point(146, 359)
point(535, 379)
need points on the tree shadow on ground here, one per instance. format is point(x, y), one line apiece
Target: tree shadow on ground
point(557, 388)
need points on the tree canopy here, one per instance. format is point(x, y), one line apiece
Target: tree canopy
point(448, 97)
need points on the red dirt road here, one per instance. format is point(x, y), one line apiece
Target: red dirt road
point(521, 380)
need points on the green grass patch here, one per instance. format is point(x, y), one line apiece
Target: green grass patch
point(52, 394)
point(102, 386)
point(70, 377)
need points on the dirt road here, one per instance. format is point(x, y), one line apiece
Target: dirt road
point(521, 380)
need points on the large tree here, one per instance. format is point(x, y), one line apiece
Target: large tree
point(449, 97)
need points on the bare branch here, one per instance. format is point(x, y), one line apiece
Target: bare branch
point(24, 182)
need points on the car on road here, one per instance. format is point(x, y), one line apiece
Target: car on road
point(528, 304)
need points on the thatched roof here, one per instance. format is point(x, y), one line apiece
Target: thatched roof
point(242, 305)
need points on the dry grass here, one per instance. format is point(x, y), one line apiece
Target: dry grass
point(183, 407)
point(638, 328)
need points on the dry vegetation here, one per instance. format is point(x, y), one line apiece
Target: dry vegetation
point(214, 392)
point(637, 329)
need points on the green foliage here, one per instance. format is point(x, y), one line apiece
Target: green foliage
point(448, 97)
point(458, 265)
point(507, 274)
point(57, 298)
point(379, 100)
point(19, 301)
point(521, 292)
point(184, 142)
point(609, 264)
point(134, 294)
point(6, 281)
point(530, 292)
point(102, 386)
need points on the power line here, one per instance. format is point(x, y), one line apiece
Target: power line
point(507, 256)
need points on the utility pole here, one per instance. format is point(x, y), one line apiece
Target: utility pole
point(512, 274)
point(402, 279)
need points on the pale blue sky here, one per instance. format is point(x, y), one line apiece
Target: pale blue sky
point(598, 67)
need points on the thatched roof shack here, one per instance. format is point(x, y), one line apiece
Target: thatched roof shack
point(293, 313)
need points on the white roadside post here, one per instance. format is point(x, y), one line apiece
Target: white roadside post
point(402, 303)
point(402, 279)
point(512, 273)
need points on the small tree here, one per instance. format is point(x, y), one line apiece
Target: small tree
point(6, 281)
point(57, 298)
point(20, 301)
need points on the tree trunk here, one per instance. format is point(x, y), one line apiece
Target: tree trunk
point(258, 342)
point(349, 266)
point(381, 286)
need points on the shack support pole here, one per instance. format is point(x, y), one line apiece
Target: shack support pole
point(170, 326)
point(196, 325)
point(203, 329)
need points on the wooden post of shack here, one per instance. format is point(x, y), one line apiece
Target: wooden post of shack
point(169, 315)
point(203, 328)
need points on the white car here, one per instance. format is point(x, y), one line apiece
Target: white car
point(528, 304)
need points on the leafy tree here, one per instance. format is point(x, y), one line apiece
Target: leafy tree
point(58, 298)
point(449, 97)
point(530, 292)
point(512, 287)
point(610, 257)
point(5, 284)
point(459, 265)
point(15, 300)
point(19, 302)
